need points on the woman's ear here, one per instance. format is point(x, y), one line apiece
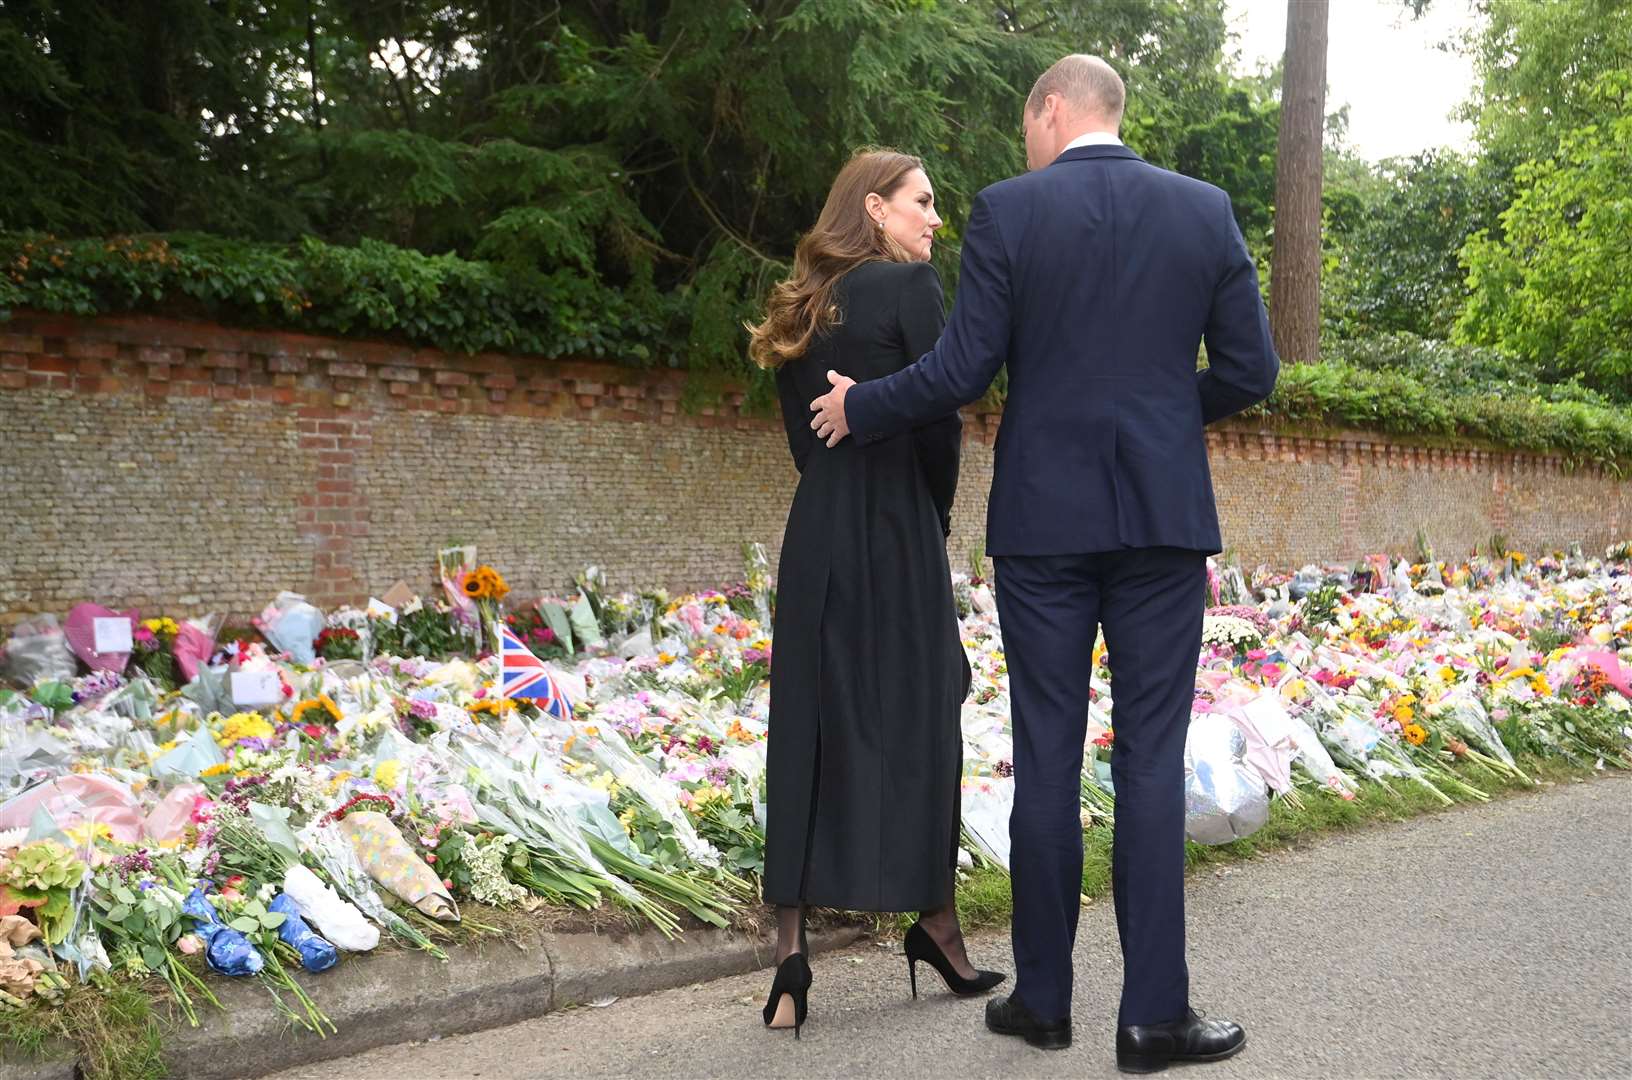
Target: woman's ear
point(874, 204)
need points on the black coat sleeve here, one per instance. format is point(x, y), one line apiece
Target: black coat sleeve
point(921, 315)
point(795, 416)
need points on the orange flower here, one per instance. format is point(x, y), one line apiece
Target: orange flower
point(1416, 734)
point(473, 586)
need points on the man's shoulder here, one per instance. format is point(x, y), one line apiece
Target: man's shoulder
point(1028, 185)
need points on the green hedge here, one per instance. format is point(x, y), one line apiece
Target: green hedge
point(373, 290)
point(1397, 383)
point(1340, 394)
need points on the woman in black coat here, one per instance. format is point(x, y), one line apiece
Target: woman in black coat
point(865, 751)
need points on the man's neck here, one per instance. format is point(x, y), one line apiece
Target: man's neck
point(1092, 135)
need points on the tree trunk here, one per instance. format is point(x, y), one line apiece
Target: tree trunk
point(1294, 274)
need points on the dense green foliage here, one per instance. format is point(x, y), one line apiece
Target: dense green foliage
point(653, 162)
point(624, 180)
point(1556, 287)
point(1393, 233)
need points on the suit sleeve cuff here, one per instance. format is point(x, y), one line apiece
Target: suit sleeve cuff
point(860, 413)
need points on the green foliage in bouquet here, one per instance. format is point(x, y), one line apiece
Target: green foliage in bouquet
point(42, 875)
point(1320, 607)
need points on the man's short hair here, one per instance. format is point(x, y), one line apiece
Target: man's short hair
point(1087, 84)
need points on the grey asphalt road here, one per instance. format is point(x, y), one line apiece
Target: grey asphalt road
point(1493, 941)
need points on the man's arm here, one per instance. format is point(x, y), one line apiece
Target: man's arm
point(1241, 361)
point(956, 371)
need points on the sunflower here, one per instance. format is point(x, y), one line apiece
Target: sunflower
point(493, 582)
point(1416, 734)
point(474, 586)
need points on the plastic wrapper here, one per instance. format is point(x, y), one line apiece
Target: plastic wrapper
point(316, 954)
point(80, 630)
point(1464, 713)
point(77, 798)
point(586, 629)
point(1304, 582)
point(167, 822)
point(195, 641)
point(188, 759)
point(31, 757)
point(987, 802)
point(1224, 800)
point(291, 625)
point(394, 865)
point(342, 924)
point(37, 652)
point(613, 753)
point(211, 690)
point(226, 950)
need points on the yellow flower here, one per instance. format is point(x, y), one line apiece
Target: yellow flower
point(216, 770)
point(1416, 734)
point(1539, 685)
point(244, 725)
point(665, 658)
point(1403, 713)
point(385, 774)
point(82, 835)
point(1447, 673)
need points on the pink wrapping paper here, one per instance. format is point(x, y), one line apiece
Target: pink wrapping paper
point(192, 650)
point(170, 818)
point(80, 630)
point(71, 800)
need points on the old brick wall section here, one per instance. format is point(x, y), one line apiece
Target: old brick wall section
point(187, 467)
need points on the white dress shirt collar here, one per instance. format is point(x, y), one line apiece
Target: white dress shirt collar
point(1093, 138)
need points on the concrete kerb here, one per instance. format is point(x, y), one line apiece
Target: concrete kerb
point(402, 996)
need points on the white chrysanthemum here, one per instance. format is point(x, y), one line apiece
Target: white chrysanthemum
point(1230, 631)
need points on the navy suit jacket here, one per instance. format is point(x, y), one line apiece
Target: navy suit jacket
point(1096, 280)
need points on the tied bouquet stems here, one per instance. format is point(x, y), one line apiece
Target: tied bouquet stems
point(145, 920)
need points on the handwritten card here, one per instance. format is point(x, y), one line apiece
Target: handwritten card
point(112, 635)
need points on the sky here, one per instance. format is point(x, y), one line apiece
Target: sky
point(1399, 87)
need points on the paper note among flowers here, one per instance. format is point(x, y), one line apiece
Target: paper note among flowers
point(111, 635)
point(256, 688)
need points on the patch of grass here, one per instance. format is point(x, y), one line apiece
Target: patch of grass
point(114, 1031)
point(984, 898)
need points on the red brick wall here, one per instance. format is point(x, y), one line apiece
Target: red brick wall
point(185, 466)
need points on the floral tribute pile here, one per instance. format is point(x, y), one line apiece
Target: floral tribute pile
point(254, 803)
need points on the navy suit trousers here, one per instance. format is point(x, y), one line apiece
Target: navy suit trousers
point(1150, 602)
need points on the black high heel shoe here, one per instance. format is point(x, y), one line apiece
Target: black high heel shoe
point(920, 946)
point(792, 980)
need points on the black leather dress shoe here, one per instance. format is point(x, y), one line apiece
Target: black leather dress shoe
point(1146, 1048)
point(1006, 1016)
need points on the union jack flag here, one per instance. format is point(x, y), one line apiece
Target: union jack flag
point(523, 675)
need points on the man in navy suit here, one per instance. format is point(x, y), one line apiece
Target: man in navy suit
point(1096, 277)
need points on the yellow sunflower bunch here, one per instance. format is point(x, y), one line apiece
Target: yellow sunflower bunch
point(484, 583)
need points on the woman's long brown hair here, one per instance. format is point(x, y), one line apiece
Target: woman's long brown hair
point(845, 236)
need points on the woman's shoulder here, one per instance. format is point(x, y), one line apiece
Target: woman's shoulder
point(888, 281)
